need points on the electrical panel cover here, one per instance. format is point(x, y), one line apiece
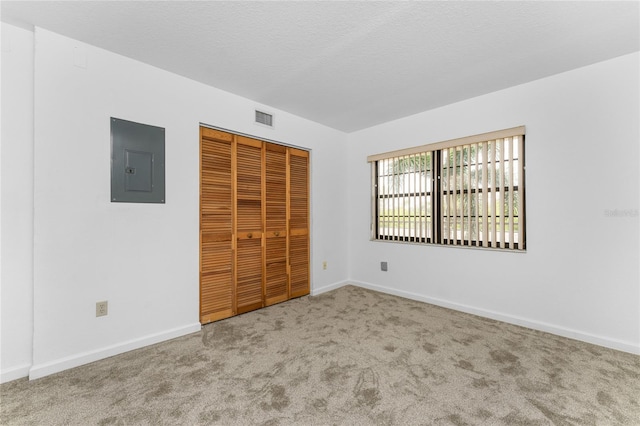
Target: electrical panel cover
point(137, 162)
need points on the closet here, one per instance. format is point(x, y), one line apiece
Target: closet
point(254, 224)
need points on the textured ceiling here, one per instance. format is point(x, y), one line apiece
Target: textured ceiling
point(349, 65)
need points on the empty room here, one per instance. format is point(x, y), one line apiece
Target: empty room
point(320, 213)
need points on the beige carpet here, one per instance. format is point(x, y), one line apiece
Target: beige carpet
point(347, 357)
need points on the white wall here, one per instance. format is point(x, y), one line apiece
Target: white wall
point(579, 276)
point(16, 228)
point(142, 258)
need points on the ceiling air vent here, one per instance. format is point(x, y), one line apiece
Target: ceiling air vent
point(264, 118)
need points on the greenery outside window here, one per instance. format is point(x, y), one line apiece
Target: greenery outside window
point(462, 192)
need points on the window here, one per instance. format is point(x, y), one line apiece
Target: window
point(464, 192)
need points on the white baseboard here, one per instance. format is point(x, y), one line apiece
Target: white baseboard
point(511, 319)
point(45, 369)
point(41, 370)
point(14, 373)
point(316, 291)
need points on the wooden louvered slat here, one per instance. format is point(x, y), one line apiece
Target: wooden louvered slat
point(216, 243)
point(299, 265)
point(276, 270)
point(276, 278)
point(249, 260)
point(216, 279)
point(276, 188)
point(249, 275)
point(299, 202)
point(249, 188)
point(298, 223)
point(249, 215)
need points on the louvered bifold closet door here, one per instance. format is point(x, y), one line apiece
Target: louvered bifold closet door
point(249, 230)
point(298, 215)
point(276, 283)
point(216, 228)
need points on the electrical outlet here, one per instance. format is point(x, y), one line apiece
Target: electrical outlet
point(383, 266)
point(324, 265)
point(102, 308)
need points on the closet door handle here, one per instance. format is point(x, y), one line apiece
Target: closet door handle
point(249, 235)
point(277, 234)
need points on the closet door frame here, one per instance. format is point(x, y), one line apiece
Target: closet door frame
point(234, 139)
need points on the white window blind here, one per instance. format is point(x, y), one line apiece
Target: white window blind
point(462, 192)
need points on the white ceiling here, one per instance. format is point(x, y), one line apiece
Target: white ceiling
point(348, 65)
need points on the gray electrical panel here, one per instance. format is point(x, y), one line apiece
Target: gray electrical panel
point(137, 162)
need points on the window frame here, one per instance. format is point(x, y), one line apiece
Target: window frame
point(505, 231)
